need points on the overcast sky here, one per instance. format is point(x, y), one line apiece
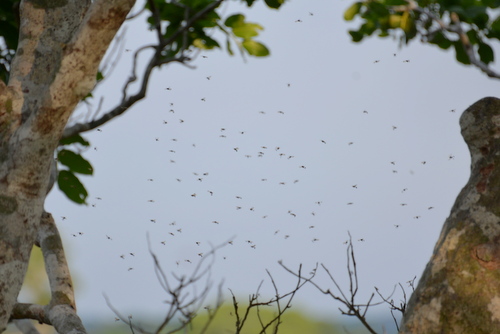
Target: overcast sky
point(290, 153)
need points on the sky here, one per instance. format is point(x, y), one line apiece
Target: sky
point(291, 153)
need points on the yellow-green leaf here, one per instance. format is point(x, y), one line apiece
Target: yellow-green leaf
point(255, 48)
point(352, 11)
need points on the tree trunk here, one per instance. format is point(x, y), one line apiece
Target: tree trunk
point(61, 44)
point(459, 291)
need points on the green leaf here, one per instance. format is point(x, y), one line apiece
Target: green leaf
point(440, 40)
point(99, 76)
point(356, 35)
point(352, 11)
point(274, 3)
point(485, 53)
point(460, 53)
point(247, 30)
point(72, 187)
point(496, 24)
point(255, 48)
point(75, 162)
point(74, 139)
point(235, 20)
point(406, 22)
point(202, 41)
point(378, 8)
point(249, 2)
point(394, 21)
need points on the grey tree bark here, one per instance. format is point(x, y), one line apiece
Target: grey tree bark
point(61, 44)
point(459, 291)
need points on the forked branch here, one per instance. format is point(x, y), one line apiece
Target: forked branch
point(353, 308)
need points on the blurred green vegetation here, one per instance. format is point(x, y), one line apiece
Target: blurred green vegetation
point(293, 322)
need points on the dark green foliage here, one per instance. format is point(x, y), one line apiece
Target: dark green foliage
point(75, 162)
point(72, 187)
point(398, 18)
point(176, 14)
point(9, 33)
point(73, 140)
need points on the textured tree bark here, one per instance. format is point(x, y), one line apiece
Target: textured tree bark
point(459, 291)
point(61, 44)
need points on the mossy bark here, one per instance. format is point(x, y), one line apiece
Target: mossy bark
point(459, 291)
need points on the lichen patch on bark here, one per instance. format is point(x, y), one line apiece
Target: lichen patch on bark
point(494, 308)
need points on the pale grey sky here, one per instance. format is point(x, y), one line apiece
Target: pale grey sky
point(322, 83)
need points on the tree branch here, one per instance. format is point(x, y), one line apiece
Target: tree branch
point(61, 312)
point(61, 286)
point(156, 60)
point(353, 308)
point(454, 28)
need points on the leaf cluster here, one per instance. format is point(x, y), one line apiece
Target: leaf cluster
point(458, 24)
point(73, 163)
point(170, 17)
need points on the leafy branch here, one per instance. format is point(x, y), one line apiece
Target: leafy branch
point(466, 27)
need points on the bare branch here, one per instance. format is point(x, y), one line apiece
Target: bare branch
point(156, 60)
point(183, 305)
point(253, 302)
point(353, 308)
